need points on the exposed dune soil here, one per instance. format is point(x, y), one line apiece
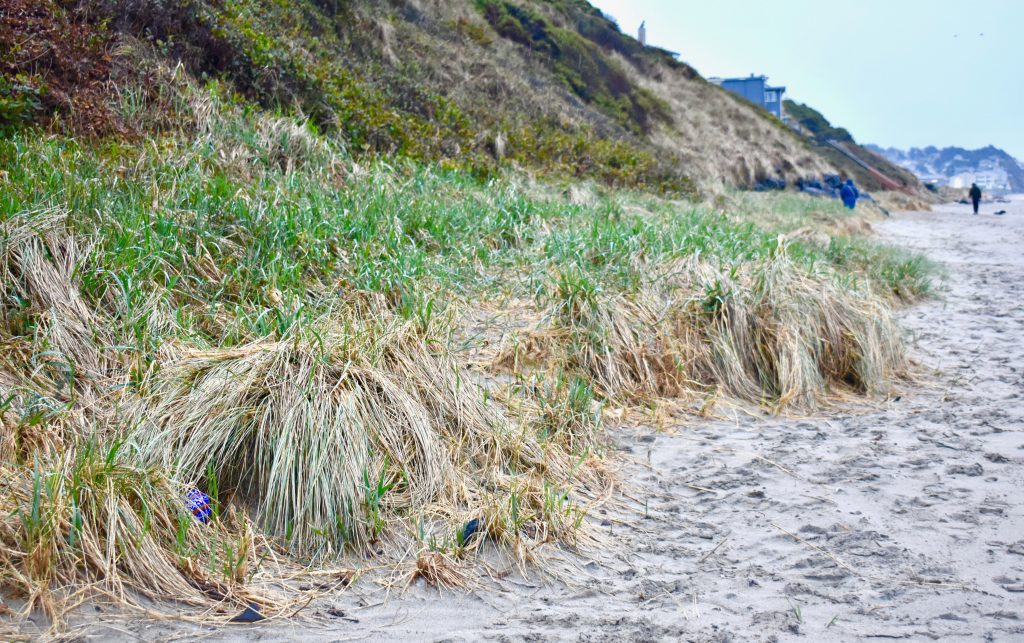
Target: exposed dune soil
point(901, 519)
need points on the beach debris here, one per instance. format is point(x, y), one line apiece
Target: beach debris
point(199, 504)
point(469, 530)
point(441, 570)
point(250, 615)
point(337, 611)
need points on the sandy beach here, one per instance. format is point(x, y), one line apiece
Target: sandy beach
point(899, 519)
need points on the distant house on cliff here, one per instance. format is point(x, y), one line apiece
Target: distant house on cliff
point(756, 90)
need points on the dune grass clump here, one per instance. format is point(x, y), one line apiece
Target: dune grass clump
point(567, 411)
point(38, 257)
point(330, 437)
point(78, 520)
point(905, 275)
point(85, 525)
point(777, 335)
point(614, 339)
point(769, 332)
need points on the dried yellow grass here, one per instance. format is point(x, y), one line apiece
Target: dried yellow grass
point(38, 258)
point(783, 337)
point(83, 526)
point(358, 434)
point(771, 334)
point(329, 441)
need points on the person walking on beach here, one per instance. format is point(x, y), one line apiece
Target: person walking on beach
point(975, 194)
point(849, 194)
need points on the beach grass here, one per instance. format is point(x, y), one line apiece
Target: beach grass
point(242, 307)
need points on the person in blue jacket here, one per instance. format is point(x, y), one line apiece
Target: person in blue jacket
point(849, 194)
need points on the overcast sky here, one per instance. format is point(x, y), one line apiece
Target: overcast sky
point(897, 73)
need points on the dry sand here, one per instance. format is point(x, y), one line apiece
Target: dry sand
point(903, 520)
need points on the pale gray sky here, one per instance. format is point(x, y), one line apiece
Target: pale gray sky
point(896, 73)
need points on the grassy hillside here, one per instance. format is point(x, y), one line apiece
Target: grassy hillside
point(372, 312)
point(552, 86)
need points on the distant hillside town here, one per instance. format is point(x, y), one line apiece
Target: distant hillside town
point(990, 167)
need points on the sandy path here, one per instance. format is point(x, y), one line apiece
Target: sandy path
point(905, 520)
